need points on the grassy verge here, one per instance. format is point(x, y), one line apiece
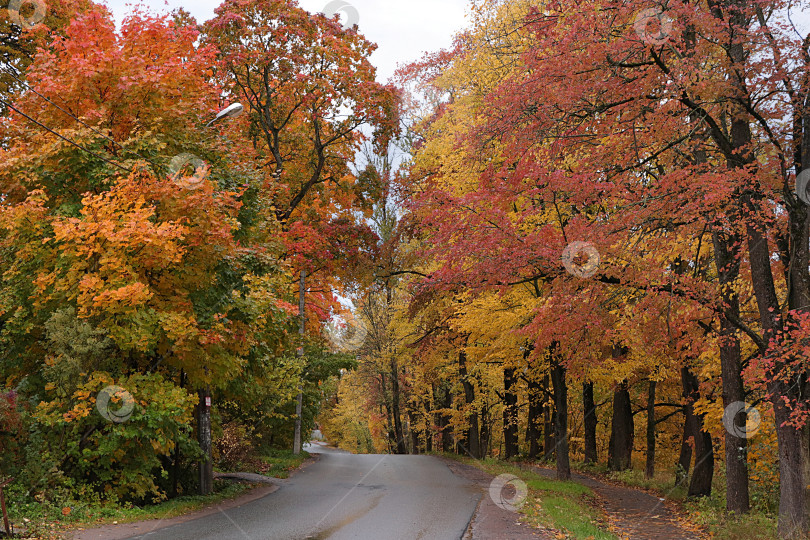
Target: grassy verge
point(279, 463)
point(710, 512)
point(269, 462)
point(706, 512)
point(565, 506)
point(48, 521)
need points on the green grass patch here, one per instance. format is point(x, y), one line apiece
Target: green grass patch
point(281, 462)
point(710, 512)
point(46, 520)
point(568, 507)
point(273, 462)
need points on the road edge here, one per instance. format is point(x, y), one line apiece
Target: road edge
point(489, 521)
point(123, 531)
point(128, 530)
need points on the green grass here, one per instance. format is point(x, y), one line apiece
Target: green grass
point(269, 462)
point(282, 462)
point(568, 507)
point(49, 521)
point(710, 513)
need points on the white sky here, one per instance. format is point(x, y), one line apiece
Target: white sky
point(403, 30)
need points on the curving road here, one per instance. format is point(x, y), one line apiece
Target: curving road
point(347, 496)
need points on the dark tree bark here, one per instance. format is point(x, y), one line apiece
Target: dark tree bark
point(560, 419)
point(726, 251)
point(793, 504)
point(486, 432)
point(206, 466)
point(510, 427)
point(794, 518)
point(437, 429)
point(414, 431)
point(399, 433)
point(622, 430)
point(701, 483)
point(392, 438)
point(473, 447)
point(649, 468)
point(536, 398)
point(445, 400)
point(589, 420)
point(429, 439)
point(548, 424)
point(685, 457)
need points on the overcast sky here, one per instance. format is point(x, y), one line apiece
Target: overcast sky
point(402, 29)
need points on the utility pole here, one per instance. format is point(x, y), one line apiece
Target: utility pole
point(206, 464)
point(204, 438)
point(300, 401)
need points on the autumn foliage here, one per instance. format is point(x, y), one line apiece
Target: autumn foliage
point(591, 247)
point(603, 202)
point(146, 252)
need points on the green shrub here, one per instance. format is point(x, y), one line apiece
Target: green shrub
point(74, 447)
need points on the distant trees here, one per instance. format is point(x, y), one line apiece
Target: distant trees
point(616, 186)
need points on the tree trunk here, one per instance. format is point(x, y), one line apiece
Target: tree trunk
point(649, 468)
point(484, 438)
point(622, 430)
point(436, 431)
point(415, 430)
point(510, 427)
point(701, 483)
point(399, 433)
point(736, 448)
point(299, 399)
point(444, 400)
point(548, 424)
point(560, 419)
point(473, 447)
point(793, 506)
point(389, 417)
point(429, 439)
point(685, 457)
point(534, 417)
point(426, 429)
point(206, 466)
point(589, 420)
point(793, 512)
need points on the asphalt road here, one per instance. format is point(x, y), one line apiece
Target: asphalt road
point(346, 496)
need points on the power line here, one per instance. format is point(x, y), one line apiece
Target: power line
point(49, 130)
point(8, 69)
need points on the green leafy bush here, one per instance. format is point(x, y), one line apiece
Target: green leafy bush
point(119, 459)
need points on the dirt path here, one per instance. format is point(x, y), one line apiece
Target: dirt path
point(632, 513)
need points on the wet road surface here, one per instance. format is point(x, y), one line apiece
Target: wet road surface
point(347, 496)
